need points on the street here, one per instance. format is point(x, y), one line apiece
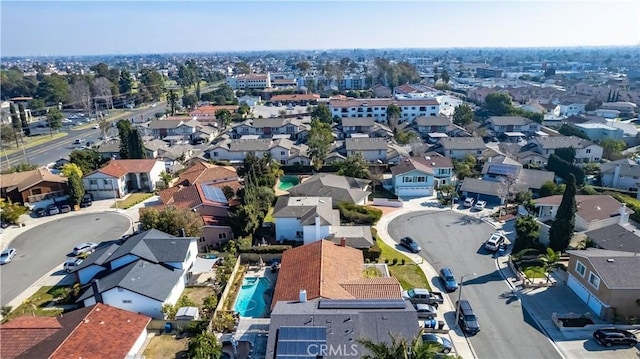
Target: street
point(48, 245)
point(54, 150)
point(507, 330)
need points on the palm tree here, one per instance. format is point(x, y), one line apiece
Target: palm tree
point(551, 262)
point(172, 98)
point(398, 349)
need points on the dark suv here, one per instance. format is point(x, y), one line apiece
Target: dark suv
point(410, 244)
point(448, 280)
point(613, 336)
point(467, 318)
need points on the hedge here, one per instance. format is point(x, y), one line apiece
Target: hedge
point(372, 253)
point(353, 213)
point(275, 248)
point(563, 168)
point(632, 203)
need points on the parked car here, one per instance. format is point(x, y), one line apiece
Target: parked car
point(70, 265)
point(86, 247)
point(614, 336)
point(494, 242)
point(65, 208)
point(444, 343)
point(40, 212)
point(4, 224)
point(410, 244)
point(467, 318)
point(480, 205)
point(7, 255)
point(448, 280)
point(468, 202)
point(52, 209)
point(426, 311)
point(87, 200)
point(78, 141)
point(423, 296)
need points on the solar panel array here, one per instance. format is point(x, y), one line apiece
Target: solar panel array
point(361, 304)
point(300, 342)
point(504, 170)
point(214, 194)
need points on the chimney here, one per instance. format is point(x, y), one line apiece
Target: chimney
point(616, 176)
point(624, 215)
point(183, 233)
point(343, 242)
point(303, 296)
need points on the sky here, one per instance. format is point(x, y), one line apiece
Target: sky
point(34, 28)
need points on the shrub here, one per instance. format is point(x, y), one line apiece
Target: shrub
point(275, 248)
point(196, 327)
point(386, 261)
point(353, 213)
point(372, 253)
point(402, 261)
point(223, 322)
point(394, 261)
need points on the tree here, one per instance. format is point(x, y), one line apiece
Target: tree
point(53, 89)
point(243, 68)
point(54, 118)
point(397, 349)
point(15, 122)
point(204, 346)
point(465, 168)
point(566, 153)
point(190, 101)
point(562, 226)
point(21, 167)
point(166, 178)
point(393, 116)
point(11, 212)
point(171, 220)
point(104, 125)
point(102, 89)
point(76, 188)
point(7, 134)
point(172, 99)
point(125, 82)
point(322, 114)
point(244, 109)
point(136, 146)
point(551, 262)
point(611, 148)
point(23, 120)
point(527, 234)
point(499, 104)
point(153, 83)
point(319, 142)
point(354, 166)
point(376, 176)
point(88, 160)
point(198, 91)
point(445, 76)
point(303, 66)
point(446, 192)
point(71, 168)
point(223, 117)
point(593, 104)
point(463, 115)
point(80, 94)
point(244, 219)
point(124, 132)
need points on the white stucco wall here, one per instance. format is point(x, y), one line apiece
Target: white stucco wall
point(154, 174)
point(311, 236)
point(286, 228)
point(116, 297)
point(137, 346)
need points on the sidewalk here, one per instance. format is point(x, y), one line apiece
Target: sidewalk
point(57, 276)
point(462, 346)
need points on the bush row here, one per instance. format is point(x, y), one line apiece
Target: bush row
point(357, 214)
point(274, 248)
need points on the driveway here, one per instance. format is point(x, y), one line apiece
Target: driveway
point(48, 245)
point(455, 240)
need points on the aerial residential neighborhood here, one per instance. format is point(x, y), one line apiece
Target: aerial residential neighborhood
point(217, 194)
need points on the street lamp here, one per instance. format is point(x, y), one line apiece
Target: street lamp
point(459, 296)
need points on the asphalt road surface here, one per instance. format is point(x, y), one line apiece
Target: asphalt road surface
point(507, 330)
point(50, 244)
point(54, 150)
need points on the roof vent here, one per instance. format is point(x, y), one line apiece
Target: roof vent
point(610, 260)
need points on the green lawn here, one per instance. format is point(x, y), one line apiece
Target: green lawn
point(36, 304)
point(532, 272)
point(269, 216)
point(409, 275)
point(32, 141)
point(132, 200)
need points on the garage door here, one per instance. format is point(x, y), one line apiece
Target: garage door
point(415, 191)
point(596, 305)
point(578, 288)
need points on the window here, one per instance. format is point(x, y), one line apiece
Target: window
point(106, 181)
point(594, 280)
point(283, 162)
point(201, 239)
point(478, 152)
point(281, 153)
point(580, 268)
point(93, 182)
point(421, 179)
point(299, 233)
point(588, 150)
point(450, 152)
point(407, 179)
point(215, 154)
point(222, 235)
point(380, 152)
point(126, 301)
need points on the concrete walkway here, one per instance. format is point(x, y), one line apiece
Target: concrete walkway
point(56, 276)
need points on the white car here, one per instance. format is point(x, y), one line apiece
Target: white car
point(86, 247)
point(72, 264)
point(7, 255)
point(494, 242)
point(468, 202)
point(480, 205)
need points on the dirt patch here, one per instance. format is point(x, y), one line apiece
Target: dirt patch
point(385, 210)
point(197, 294)
point(166, 346)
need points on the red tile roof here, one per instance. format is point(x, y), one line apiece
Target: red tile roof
point(119, 168)
point(211, 110)
point(202, 172)
point(295, 97)
point(105, 333)
point(20, 334)
point(28, 179)
point(327, 270)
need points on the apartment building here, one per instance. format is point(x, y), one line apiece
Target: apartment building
point(252, 81)
point(377, 108)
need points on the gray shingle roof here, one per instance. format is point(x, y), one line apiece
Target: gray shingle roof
point(509, 120)
point(477, 185)
point(306, 208)
point(462, 143)
point(250, 145)
point(616, 238)
point(628, 167)
point(618, 270)
point(355, 236)
point(339, 188)
point(553, 142)
point(344, 326)
point(357, 121)
point(158, 124)
point(365, 144)
point(432, 121)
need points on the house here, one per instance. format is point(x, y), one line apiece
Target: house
point(534, 107)
point(623, 107)
point(607, 113)
point(606, 281)
point(616, 238)
point(109, 149)
point(203, 172)
point(426, 125)
point(570, 108)
point(121, 177)
point(380, 91)
point(460, 147)
point(502, 124)
point(372, 149)
point(145, 272)
point(177, 130)
point(338, 188)
point(251, 101)
point(598, 131)
point(376, 108)
point(283, 150)
point(32, 187)
point(208, 113)
point(622, 174)
point(593, 212)
point(336, 305)
point(296, 128)
point(525, 155)
point(95, 332)
point(208, 200)
point(357, 125)
point(296, 99)
point(551, 109)
point(418, 176)
point(249, 81)
point(306, 219)
point(586, 151)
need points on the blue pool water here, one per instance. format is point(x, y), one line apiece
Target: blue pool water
point(250, 301)
point(287, 182)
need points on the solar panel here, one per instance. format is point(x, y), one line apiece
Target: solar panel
point(361, 304)
point(504, 170)
point(214, 194)
point(296, 342)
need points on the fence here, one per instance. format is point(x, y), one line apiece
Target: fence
point(255, 257)
point(225, 293)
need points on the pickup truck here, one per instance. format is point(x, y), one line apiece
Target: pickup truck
point(423, 296)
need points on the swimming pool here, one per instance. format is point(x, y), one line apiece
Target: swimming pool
point(287, 182)
point(250, 301)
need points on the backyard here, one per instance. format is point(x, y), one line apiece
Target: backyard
point(131, 200)
point(166, 346)
point(198, 294)
point(409, 274)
